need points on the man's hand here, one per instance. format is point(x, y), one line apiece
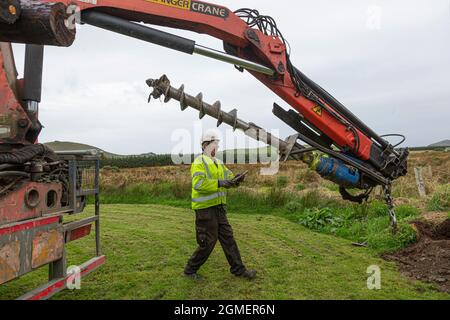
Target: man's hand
point(240, 178)
point(227, 184)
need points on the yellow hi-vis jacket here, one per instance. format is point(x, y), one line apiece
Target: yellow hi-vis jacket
point(206, 174)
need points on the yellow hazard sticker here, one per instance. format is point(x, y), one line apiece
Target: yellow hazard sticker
point(181, 4)
point(318, 110)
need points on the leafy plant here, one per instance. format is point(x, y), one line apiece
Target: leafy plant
point(318, 219)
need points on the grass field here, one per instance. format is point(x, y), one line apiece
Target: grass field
point(301, 196)
point(293, 227)
point(148, 245)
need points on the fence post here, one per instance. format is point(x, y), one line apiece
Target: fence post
point(420, 183)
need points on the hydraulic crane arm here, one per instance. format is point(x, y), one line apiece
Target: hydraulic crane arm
point(253, 42)
point(38, 186)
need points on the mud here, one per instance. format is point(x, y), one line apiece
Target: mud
point(429, 259)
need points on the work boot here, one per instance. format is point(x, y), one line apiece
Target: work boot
point(248, 274)
point(193, 276)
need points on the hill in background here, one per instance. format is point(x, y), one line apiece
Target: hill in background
point(252, 153)
point(444, 143)
point(74, 146)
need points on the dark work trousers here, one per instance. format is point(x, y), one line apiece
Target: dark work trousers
point(212, 225)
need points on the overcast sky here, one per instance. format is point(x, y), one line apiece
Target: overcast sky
point(388, 61)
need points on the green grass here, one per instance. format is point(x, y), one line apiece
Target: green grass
point(147, 247)
point(367, 223)
point(440, 200)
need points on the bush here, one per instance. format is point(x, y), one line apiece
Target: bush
point(359, 212)
point(138, 161)
point(282, 181)
point(111, 168)
point(311, 200)
point(277, 197)
point(440, 200)
point(377, 209)
point(367, 223)
point(318, 219)
point(404, 212)
point(294, 206)
point(382, 239)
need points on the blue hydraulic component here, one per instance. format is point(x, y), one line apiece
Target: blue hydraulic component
point(334, 170)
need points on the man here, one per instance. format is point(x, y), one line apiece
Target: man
point(210, 179)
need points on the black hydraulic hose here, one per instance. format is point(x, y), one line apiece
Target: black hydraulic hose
point(14, 174)
point(168, 40)
point(34, 60)
point(341, 109)
point(403, 138)
point(7, 166)
point(134, 30)
point(269, 27)
point(25, 154)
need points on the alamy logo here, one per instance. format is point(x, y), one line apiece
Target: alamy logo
point(374, 279)
point(73, 278)
point(73, 16)
point(187, 142)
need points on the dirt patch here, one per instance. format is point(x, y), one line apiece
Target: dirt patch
point(443, 230)
point(436, 217)
point(428, 259)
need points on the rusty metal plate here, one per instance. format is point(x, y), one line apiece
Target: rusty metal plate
point(47, 247)
point(9, 65)
point(9, 261)
point(13, 207)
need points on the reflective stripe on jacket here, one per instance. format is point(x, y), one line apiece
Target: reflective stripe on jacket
point(205, 182)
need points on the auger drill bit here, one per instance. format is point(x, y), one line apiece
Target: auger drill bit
point(162, 87)
point(328, 167)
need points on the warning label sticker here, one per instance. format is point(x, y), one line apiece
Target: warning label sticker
point(195, 6)
point(318, 110)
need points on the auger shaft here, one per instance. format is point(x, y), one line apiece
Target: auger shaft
point(162, 87)
point(328, 167)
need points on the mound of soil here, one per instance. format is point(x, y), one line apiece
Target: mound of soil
point(428, 259)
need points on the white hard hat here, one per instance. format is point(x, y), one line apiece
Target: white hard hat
point(210, 136)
